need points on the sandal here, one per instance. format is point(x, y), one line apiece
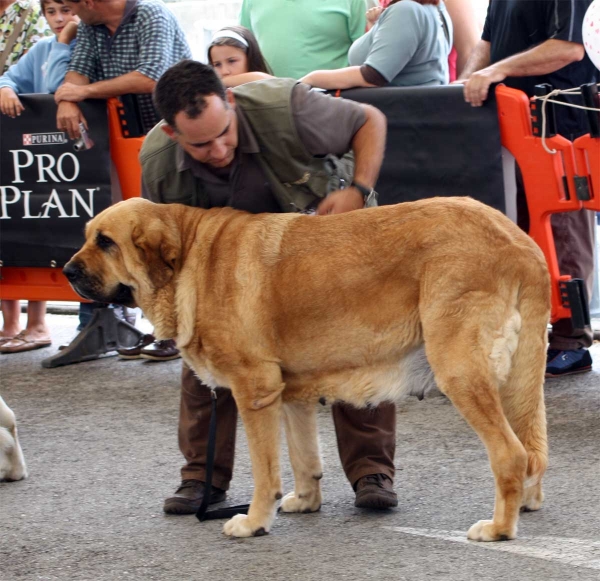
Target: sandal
point(5, 340)
point(21, 342)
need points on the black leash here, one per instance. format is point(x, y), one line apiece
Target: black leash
point(202, 514)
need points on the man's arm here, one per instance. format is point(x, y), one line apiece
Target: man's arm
point(69, 115)
point(133, 82)
point(465, 34)
point(479, 59)
point(543, 59)
point(368, 145)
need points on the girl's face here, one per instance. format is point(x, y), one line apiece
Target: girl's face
point(228, 60)
point(58, 15)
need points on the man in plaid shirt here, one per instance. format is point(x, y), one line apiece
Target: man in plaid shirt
point(123, 46)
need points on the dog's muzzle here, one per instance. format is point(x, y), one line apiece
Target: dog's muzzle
point(73, 271)
point(90, 288)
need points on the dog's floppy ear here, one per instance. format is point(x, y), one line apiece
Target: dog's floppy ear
point(160, 248)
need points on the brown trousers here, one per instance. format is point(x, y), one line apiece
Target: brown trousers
point(366, 437)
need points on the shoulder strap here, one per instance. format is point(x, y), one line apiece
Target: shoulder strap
point(12, 39)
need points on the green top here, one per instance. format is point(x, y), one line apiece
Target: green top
point(300, 36)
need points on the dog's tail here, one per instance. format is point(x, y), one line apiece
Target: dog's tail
point(522, 395)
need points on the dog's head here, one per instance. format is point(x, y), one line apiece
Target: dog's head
point(131, 250)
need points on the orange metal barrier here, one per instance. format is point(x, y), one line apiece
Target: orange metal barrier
point(124, 151)
point(40, 284)
point(36, 284)
point(549, 179)
point(587, 157)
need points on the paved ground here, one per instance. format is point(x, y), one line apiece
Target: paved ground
point(100, 442)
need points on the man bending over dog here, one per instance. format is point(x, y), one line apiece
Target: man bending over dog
point(268, 146)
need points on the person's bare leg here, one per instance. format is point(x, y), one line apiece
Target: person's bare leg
point(11, 311)
point(37, 329)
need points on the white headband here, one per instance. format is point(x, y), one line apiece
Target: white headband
point(229, 34)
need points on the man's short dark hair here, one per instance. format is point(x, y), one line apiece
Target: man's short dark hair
point(184, 87)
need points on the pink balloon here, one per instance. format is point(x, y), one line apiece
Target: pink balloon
point(591, 35)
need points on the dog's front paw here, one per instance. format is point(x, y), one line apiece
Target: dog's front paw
point(240, 526)
point(487, 531)
point(302, 503)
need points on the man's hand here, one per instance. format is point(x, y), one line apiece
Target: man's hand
point(68, 117)
point(71, 92)
point(9, 103)
point(68, 33)
point(341, 201)
point(478, 84)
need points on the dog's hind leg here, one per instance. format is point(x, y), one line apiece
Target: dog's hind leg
point(301, 432)
point(463, 372)
point(522, 395)
point(258, 397)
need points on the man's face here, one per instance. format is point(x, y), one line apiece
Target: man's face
point(86, 10)
point(212, 137)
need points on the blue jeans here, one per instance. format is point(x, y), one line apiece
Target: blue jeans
point(86, 312)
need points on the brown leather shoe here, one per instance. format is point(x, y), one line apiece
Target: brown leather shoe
point(189, 495)
point(163, 350)
point(375, 491)
point(135, 352)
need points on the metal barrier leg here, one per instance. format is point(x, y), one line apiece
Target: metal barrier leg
point(104, 333)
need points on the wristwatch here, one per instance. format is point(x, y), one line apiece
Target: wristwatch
point(368, 194)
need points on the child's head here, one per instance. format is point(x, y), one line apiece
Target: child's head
point(58, 14)
point(234, 51)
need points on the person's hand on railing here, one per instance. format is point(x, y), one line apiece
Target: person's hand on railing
point(71, 92)
point(9, 103)
point(68, 117)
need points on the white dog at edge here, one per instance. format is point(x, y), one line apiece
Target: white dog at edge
point(12, 462)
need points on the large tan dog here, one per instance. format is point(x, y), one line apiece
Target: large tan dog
point(286, 309)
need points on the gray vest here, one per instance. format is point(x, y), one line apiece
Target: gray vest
point(298, 180)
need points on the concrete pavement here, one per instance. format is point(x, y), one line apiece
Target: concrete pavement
point(101, 446)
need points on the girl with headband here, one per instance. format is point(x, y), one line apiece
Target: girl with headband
point(236, 57)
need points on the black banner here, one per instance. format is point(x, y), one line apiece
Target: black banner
point(50, 186)
point(437, 145)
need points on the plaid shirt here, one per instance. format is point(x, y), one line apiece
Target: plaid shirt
point(148, 41)
point(35, 27)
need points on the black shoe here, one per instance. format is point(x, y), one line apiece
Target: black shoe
point(188, 497)
point(375, 491)
point(135, 352)
point(569, 362)
point(163, 350)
